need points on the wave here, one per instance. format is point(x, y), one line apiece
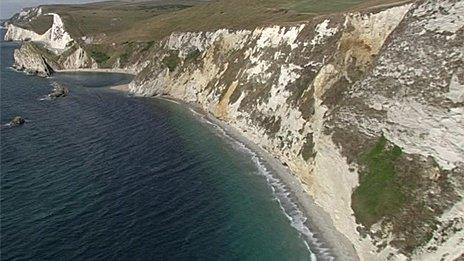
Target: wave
point(6, 125)
point(297, 218)
point(10, 125)
point(200, 115)
point(11, 68)
point(45, 98)
point(170, 100)
point(292, 211)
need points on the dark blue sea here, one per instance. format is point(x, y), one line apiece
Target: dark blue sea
point(98, 175)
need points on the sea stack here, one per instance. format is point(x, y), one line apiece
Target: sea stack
point(17, 120)
point(58, 91)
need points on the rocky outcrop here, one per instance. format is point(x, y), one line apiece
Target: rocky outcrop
point(26, 14)
point(55, 49)
point(323, 96)
point(76, 58)
point(58, 91)
point(55, 39)
point(15, 33)
point(17, 120)
point(36, 58)
point(410, 97)
point(29, 59)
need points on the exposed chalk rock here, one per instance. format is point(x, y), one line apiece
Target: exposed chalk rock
point(287, 89)
point(29, 59)
point(55, 39)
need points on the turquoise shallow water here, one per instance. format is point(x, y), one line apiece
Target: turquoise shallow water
point(101, 176)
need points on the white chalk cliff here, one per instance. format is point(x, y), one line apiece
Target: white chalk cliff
point(56, 38)
point(277, 86)
point(62, 51)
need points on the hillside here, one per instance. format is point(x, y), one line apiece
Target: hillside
point(113, 27)
point(149, 20)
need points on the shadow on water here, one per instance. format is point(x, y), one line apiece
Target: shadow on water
point(92, 79)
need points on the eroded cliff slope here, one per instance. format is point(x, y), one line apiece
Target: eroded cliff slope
point(365, 108)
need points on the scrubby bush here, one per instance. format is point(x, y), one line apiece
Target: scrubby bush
point(193, 55)
point(171, 61)
point(99, 57)
point(378, 193)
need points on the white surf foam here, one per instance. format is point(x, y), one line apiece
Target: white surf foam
point(291, 210)
point(171, 100)
point(45, 98)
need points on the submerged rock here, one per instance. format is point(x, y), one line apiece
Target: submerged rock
point(17, 120)
point(58, 91)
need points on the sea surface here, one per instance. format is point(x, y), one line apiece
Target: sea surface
point(99, 175)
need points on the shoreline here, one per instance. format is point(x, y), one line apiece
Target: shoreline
point(318, 221)
point(97, 70)
point(330, 244)
point(120, 88)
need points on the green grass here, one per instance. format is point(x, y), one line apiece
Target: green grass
point(39, 24)
point(124, 58)
point(171, 61)
point(144, 21)
point(193, 55)
point(317, 6)
point(308, 148)
point(148, 46)
point(115, 21)
point(378, 193)
point(334, 6)
point(99, 57)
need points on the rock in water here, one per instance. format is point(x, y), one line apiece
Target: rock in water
point(17, 120)
point(58, 91)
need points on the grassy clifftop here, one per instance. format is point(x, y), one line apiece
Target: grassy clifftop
point(116, 31)
point(150, 20)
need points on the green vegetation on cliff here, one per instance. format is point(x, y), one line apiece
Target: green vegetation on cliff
point(378, 193)
point(401, 193)
point(39, 24)
point(171, 61)
point(99, 57)
point(193, 55)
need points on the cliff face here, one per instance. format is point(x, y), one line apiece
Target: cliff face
point(366, 109)
point(270, 84)
point(44, 53)
point(55, 39)
point(28, 59)
point(326, 95)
